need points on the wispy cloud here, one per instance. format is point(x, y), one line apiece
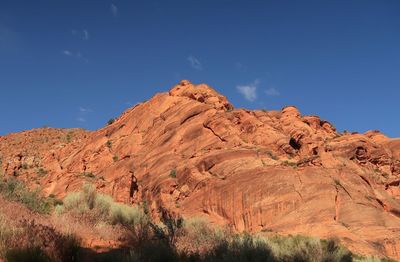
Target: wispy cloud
point(67, 52)
point(77, 55)
point(272, 92)
point(86, 35)
point(114, 10)
point(81, 119)
point(83, 113)
point(195, 63)
point(85, 110)
point(249, 91)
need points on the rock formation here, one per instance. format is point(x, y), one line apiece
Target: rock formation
point(260, 171)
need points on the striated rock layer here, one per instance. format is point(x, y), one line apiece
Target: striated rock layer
point(192, 154)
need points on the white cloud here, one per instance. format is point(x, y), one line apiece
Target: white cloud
point(77, 55)
point(195, 63)
point(67, 52)
point(249, 91)
point(83, 114)
point(81, 119)
point(272, 92)
point(114, 10)
point(84, 110)
point(86, 35)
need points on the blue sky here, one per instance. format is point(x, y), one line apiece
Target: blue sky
point(70, 63)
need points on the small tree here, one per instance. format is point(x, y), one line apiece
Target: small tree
point(110, 121)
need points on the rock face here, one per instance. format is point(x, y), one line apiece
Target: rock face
point(261, 171)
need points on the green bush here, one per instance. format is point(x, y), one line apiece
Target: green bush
point(288, 163)
point(241, 248)
point(41, 172)
point(73, 202)
point(100, 207)
point(125, 215)
point(172, 173)
point(88, 174)
point(300, 248)
point(14, 190)
point(110, 121)
point(199, 236)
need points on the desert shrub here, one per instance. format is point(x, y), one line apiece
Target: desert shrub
point(54, 200)
point(296, 248)
point(69, 136)
point(333, 251)
point(59, 209)
point(194, 239)
point(44, 243)
point(14, 190)
point(41, 172)
point(35, 242)
point(74, 202)
point(7, 233)
point(99, 208)
point(198, 236)
point(172, 173)
point(89, 195)
point(300, 248)
point(88, 174)
point(290, 164)
point(103, 204)
point(123, 214)
point(170, 229)
point(81, 202)
point(240, 248)
point(110, 121)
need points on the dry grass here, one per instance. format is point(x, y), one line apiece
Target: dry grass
point(98, 208)
point(95, 216)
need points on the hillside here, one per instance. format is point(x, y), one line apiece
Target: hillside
point(190, 152)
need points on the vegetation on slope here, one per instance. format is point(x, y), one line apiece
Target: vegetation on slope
point(172, 239)
point(14, 190)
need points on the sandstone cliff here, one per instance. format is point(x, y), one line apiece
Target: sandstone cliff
point(261, 171)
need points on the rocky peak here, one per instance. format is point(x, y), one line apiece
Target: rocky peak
point(201, 93)
point(291, 112)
